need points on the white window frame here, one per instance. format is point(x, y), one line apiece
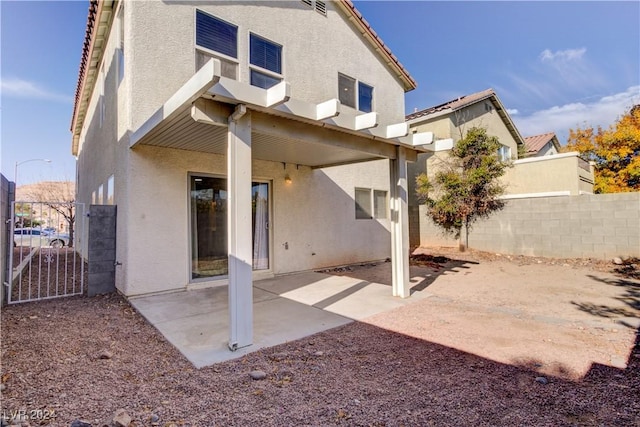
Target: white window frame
point(211, 51)
point(504, 153)
point(356, 91)
point(258, 68)
point(374, 211)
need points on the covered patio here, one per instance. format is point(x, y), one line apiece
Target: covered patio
point(285, 308)
point(214, 114)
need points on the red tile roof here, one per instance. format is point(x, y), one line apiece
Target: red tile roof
point(404, 75)
point(84, 59)
point(454, 104)
point(535, 143)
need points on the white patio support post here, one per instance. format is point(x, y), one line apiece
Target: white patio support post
point(399, 224)
point(239, 233)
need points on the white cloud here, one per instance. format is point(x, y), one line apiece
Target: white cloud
point(512, 111)
point(562, 55)
point(559, 119)
point(19, 88)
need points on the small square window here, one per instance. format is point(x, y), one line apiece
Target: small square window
point(347, 90)
point(358, 96)
point(215, 34)
point(363, 203)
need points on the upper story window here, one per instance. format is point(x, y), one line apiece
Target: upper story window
point(355, 94)
point(216, 35)
point(265, 58)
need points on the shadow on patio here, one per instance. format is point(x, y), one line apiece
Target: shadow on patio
point(286, 308)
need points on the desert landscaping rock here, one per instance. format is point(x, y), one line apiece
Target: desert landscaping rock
point(257, 375)
point(121, 418)
point(511, 320)
point(79, 423)
point(542, 380)
point(105, 355)
point(617, 261)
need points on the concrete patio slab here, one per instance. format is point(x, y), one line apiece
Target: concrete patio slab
point(285, 308)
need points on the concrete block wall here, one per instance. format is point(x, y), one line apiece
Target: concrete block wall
point(586, 226)
point(102, 249)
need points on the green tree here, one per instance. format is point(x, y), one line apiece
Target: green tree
point(466, 185)
point(615, 152)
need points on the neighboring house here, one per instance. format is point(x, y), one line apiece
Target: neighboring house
point(221, 130)
point(553, 174)
point(449, 121)
point(546, 144)
point(481, 109)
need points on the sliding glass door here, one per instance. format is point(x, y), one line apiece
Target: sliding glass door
point(208, 204)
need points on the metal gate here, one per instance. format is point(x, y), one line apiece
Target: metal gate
point(44, 256)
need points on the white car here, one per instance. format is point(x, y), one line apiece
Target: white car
point(34, 237)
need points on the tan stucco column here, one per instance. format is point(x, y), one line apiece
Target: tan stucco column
point(398, 204)
point(239, 230)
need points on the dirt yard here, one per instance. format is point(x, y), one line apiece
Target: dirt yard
point(499, 342)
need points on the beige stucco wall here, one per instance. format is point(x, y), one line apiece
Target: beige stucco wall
point(553, 173)
point(314, 216)
point(315, 49)
point(454, 125)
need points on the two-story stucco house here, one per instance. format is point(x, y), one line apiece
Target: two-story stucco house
point(551, 174)
point(221, 131)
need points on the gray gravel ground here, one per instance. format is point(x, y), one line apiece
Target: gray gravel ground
point(85, 358)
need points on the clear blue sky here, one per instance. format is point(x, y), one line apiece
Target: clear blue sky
point(554, 65)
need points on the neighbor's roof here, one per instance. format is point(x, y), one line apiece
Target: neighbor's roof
point(535, 143)
point(465, 101)
point(454, 104)
point(99, 21)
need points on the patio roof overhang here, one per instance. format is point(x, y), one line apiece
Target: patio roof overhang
point(283, 129)
point(214, 114)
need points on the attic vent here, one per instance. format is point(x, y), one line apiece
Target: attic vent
point(321, 7)
point(318, 5)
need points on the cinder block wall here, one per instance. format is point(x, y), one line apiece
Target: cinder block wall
point(586, 226)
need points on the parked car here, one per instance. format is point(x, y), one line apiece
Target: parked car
point(34, 237)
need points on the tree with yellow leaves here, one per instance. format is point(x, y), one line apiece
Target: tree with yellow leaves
point(615, 151)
